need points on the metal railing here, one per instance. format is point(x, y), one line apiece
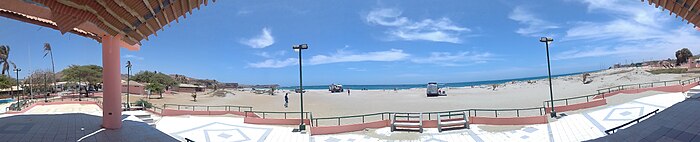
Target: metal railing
point(278, 114)
point(156, 109)
point(688, 81)
point(207, 108)
point(630, 122)
point(380, 116)
point(571, 100)
point(353, 119)
point(534, 111)
point(639, 86)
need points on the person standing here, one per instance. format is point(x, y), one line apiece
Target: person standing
point(286, 100)
point(348, 92)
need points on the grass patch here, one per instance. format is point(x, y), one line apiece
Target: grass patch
point(669, 71)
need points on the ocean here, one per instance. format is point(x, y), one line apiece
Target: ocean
point(423, 85)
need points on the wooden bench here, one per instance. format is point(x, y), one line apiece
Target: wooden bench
point(460, 122)
point(407, 125)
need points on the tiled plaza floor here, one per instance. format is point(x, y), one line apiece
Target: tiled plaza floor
point(676, 123)
point(215, 129)
point(57, 127)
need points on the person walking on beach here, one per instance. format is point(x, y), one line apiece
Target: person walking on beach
point(348, 92)
point(286, 100)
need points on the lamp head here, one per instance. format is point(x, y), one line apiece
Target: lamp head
point(546, 39)
point(128, 64)
point(301, 46)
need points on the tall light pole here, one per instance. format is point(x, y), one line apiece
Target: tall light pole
point(46, 87)
point(128, 74)
point(547, 41)
point(19, 96)
point(301, 87)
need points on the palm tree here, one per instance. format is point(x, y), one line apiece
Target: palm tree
point(48, 51)
point(4, 59)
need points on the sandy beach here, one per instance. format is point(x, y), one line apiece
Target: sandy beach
point(521, 94)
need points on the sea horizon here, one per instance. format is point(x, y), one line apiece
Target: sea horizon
point(423, 85)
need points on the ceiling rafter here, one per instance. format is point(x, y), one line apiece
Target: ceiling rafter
point(165, 14)
point(94, 12)
point(119, 18)
point(148, 5)
point(135, 14)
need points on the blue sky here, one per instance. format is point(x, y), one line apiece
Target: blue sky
point(381, 42)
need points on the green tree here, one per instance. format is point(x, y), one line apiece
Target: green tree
point(682, 56)
point(154, 77)
point(92, 74)
point(156, 88)
point(48, 51)
point(5, 59)
point(6, 81)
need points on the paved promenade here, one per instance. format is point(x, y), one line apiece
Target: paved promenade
point(582, 126)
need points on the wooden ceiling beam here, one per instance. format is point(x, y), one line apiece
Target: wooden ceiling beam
point(165, 14)
point(135, 14)
point(148, 5)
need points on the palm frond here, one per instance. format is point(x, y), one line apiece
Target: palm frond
point(47, 49)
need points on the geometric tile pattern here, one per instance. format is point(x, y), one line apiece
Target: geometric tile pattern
point(676, 123)
point(216, 131)
point(624, 114)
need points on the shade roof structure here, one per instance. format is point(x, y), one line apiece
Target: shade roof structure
point(133, 20)
point(686, 9)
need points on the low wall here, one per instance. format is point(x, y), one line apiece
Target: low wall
point(672, 88)
point(594, 103)
point(508, 120)
point(272, 121)
point(348, 128)
point(52, 103)
point(171, 112)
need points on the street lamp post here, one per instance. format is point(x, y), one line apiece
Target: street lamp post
point(46, 87)
point(19, 95)
point(547, 41)
point(128, 74)
point(301, 87)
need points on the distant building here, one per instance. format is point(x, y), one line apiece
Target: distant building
point(133, 88)
point(188, 88)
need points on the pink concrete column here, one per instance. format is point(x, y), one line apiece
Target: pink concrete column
point(111, 104)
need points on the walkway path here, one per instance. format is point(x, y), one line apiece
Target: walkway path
point(583, 126)
point(225, 128)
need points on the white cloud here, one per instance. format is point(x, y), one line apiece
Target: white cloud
point(273, 63)
point(638, 32)
point(357, 69)
point(271, 54)
point(439, 30)
point(457, 59)
point(129, 56)
point(263, 40)
point(535, 26)
point(342, 56)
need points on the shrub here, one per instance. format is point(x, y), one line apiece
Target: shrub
point(144, 103)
